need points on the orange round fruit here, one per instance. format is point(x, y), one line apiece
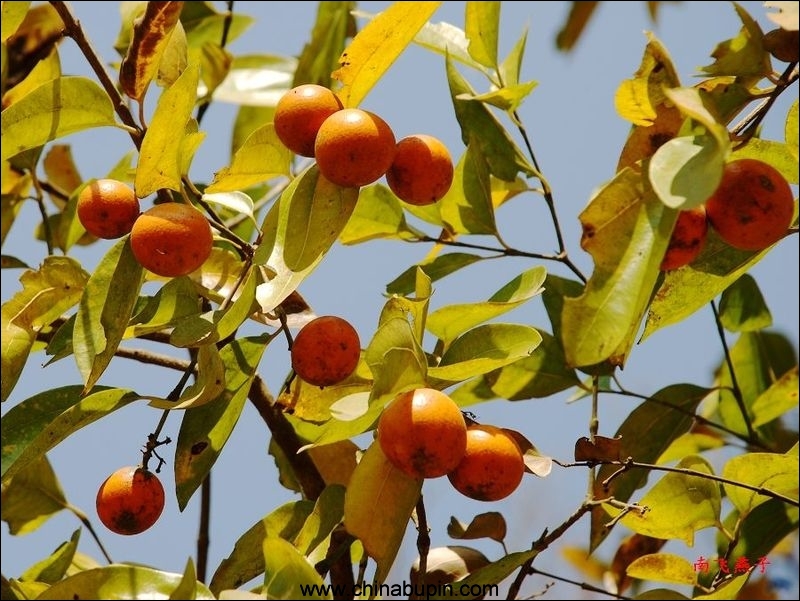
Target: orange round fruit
point(422, 432)
point(492, 466)
point(130, 500)
point(325, 351)
point(354, 148)
point(753, 206)
point(171, 239)
point(687, 240)
point(300, 113)
point(107, 208)
point(422, 170)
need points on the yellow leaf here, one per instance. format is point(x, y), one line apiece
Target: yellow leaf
point(377, 46)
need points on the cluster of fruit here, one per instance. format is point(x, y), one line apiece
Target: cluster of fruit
point(422, 432)
point(751, 209)
point(354, 147)
point(170, 239)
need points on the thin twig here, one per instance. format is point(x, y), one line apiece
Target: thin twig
point(423, 541)
point(204, 528)
point(73, 29)
point(583, 585)
point(736, 390)
point(629, 463)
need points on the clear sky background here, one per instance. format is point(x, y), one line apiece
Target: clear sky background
point(576, 135)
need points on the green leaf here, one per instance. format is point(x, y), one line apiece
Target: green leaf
point(218, 324)
point(55, 109)
point(768, 471)
point(46, 295)
point(485, 348)
point(186, 588)
point(728, 589)
point(375, 48)
point(378, 214)
point(489, 575)
point(205, 430)
point(451, 321)
point(333, 25)
point(120, 582)
point(467, 207)
point(679, 504)
point(105, 309)
point(685, 171)
point(208, 385)
point(662, 567)
point(479, 126)
point(261, 157)
point(435, 268)
point(377, 483)
point(482, 24)
point(744, 55)
point(512, 65)
point(760, 531)
point(626, 230)
point(175, 58)
point(32, 497)
point(542, 374)
point(742, 307)
point(38, 424)
point(299, 230)
point(204, 23)
point(509, 97)
point(758, 359)
point(161, 155)
point(776, 400)
point(645, 434)
point(246, 560)
point(175, 300)
point(286, 569)
point(395, 358)
point(684, 291)
point(781, 156)
point(55, 567)
point(327, 514)
point(151, 34)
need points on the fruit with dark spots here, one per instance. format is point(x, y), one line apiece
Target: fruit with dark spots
point(325, 351)
point(130, 500)
point(687, 240)
point(753, 206)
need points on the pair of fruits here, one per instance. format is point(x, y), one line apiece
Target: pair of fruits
point(423, 433)
point(130, 500)
point(751, 209)
point(354, 147)
point(170, 239)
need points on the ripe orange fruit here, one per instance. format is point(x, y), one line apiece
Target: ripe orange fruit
point(130, 500)
point(687, 240)
point(423, 433)
point(354, 148)
point(171, 239)
point(752, 207)
point(492, 466)
point(299, 114)
point(422, 170)
point(325, 351)
point(107, 208)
